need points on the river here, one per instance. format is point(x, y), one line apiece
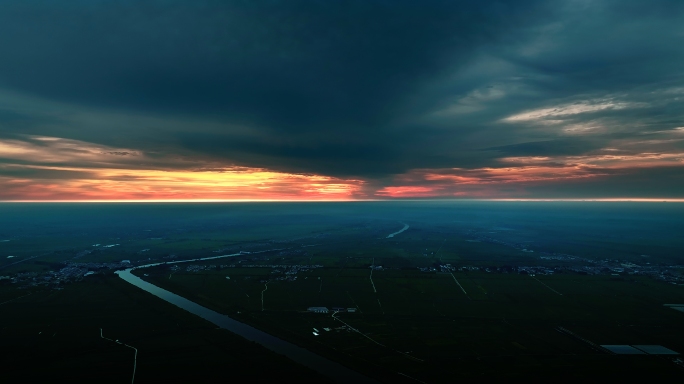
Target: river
point(326, 367)
point(406, 226)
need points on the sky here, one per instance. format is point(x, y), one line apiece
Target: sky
point(341, 100)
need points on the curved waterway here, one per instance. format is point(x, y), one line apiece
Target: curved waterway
point(326, 367)
point(399, 231)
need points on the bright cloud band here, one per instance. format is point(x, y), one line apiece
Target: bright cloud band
point(48, 168)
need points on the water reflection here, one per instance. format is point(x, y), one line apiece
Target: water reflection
point(300, 355)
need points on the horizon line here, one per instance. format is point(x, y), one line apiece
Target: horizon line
point(642, 200)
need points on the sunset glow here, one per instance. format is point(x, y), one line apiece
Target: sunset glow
point(425, 106)
point(126, 184)
point(49, 168)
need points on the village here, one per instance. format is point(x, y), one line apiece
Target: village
point(73, 272)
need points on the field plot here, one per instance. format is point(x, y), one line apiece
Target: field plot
point(423, 325)
point(55, 336)
point(469, 290)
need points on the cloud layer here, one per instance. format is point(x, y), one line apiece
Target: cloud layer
point(341, 99)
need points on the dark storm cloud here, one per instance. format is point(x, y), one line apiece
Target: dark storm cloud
point(664, 182)
point(546, 148)
point(292, 68)
point(365, 89)
point(279, 62)
point(9, 117)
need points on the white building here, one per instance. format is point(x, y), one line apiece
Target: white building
point(318, 309)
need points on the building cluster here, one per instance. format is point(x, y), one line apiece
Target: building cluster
point(291, 252)
point(83, 253)
point(535, 270)
point(289, 272)
point(246, 249)
point(316, 332)
point(282, 272)
point(326, 310)
point(286, 267)
point(199, 267)
point(668, 273)
point(519, 246)
point(70, 273)
point(110, 266)
point(562, 257)
point(105, 246)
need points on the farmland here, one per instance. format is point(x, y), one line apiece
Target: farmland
point(422, 324)
point(465, 291)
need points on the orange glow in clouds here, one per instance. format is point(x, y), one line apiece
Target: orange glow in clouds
point(50, 168)
point(126, 184)
point(230, 184)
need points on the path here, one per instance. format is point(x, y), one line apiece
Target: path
point(459, 285)
point(371, 276)
point(354, 301)
point(355, 330)
point(542, 283)
point(262, 295)
point(135, 357)
point(16, 298)
point(364, 335)
point(22, 260)
point(440, 248)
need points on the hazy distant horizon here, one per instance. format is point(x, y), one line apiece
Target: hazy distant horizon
point(616, 200)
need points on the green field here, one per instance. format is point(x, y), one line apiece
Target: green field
point(54, 336)
point(414, 320)
point(422, 324)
